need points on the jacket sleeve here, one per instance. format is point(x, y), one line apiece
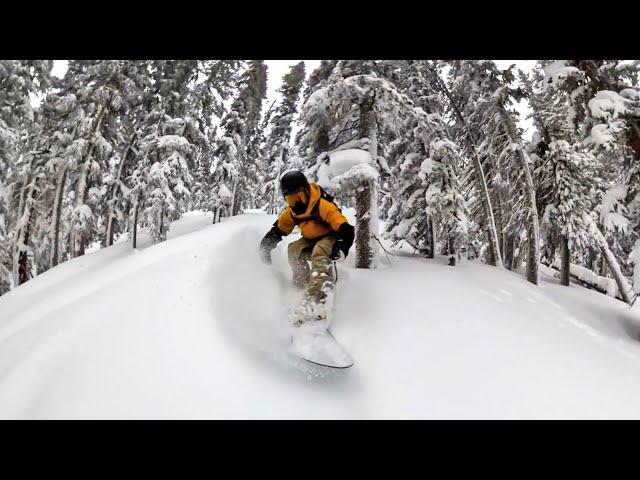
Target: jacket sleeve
point(285, 222)
point(331, 214)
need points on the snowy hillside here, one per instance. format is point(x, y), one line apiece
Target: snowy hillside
point(195, 327)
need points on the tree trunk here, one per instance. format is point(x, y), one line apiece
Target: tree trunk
point(366, 195)
point(552, 251)
point(451, 250)
point(363, 202)
point(513, 253)
point(508, 252)
point(233, 196)
point(431, 236)
point(533, 229)
point(500, 224)
point(321, 142)
point(373, 189)
point(491, 259)
point(486, 200)
point(582, 281)
point(614, 267)
point(162, 232)
point(24, 189)
point(23, 257)
point(134, 225)
point(609, 258)
point(69, 249)
point(283, 154)
point(22, 267)
point(603, 266)
point(565, 261)
point(57, 215)
point(593, 259)
point(519, 257)
point(532, 256)
point(27, 185)
point(434, 235)
point(83, 183)
point(111, 218)
point(57, 211)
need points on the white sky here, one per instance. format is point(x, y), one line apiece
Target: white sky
point(277, 68)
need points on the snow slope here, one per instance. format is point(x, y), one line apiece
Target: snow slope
point(196, 327)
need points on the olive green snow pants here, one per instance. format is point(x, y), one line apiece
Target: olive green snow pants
point(317, 251)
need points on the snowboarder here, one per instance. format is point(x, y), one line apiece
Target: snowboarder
point(326, 234)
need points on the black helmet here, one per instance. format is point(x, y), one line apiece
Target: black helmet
point(293, 181)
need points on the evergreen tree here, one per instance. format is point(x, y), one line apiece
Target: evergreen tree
point(426, 193)
point(236, 174)
point(356, 106)
point(277, 146)
point(21, 165)
point(487, 95)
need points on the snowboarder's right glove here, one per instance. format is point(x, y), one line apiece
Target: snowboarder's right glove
point(268, 243)
point(345, 235)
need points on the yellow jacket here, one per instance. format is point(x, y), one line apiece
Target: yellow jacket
point(321, 217)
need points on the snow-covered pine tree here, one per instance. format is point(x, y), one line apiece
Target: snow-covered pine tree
point(168, 139)
point(461, 103)
point(98, 91)
point(610, 114)
point(356, 106)
point(163, 177)
point(229, 147)
point(235, 174)
point(138, 98)
point(313, 138)
point(487, 94)
point(279, 137)
point(21, 165)
point(602, 117)
point(562, 172)
point(425, 190)
point(61, 118)
point(252, 96)
point(215, 83)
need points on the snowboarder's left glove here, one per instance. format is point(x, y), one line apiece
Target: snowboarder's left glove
point(268, 243)
point(345, 235)
point(337, 252)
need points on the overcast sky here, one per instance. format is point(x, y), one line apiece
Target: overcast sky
point(277, 68)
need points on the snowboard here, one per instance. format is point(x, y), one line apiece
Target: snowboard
point(312, 340)
point(315, 344)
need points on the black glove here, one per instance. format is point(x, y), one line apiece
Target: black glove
point(338, 249)
point(269, 242)
point(344, 240)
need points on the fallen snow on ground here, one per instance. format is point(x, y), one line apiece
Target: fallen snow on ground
point(196, 327)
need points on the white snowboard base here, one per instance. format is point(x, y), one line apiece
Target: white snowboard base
point(314, 343)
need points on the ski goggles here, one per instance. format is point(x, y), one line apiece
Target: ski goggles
point(293, 198)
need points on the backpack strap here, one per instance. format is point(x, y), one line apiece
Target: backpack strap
point(324, 195)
